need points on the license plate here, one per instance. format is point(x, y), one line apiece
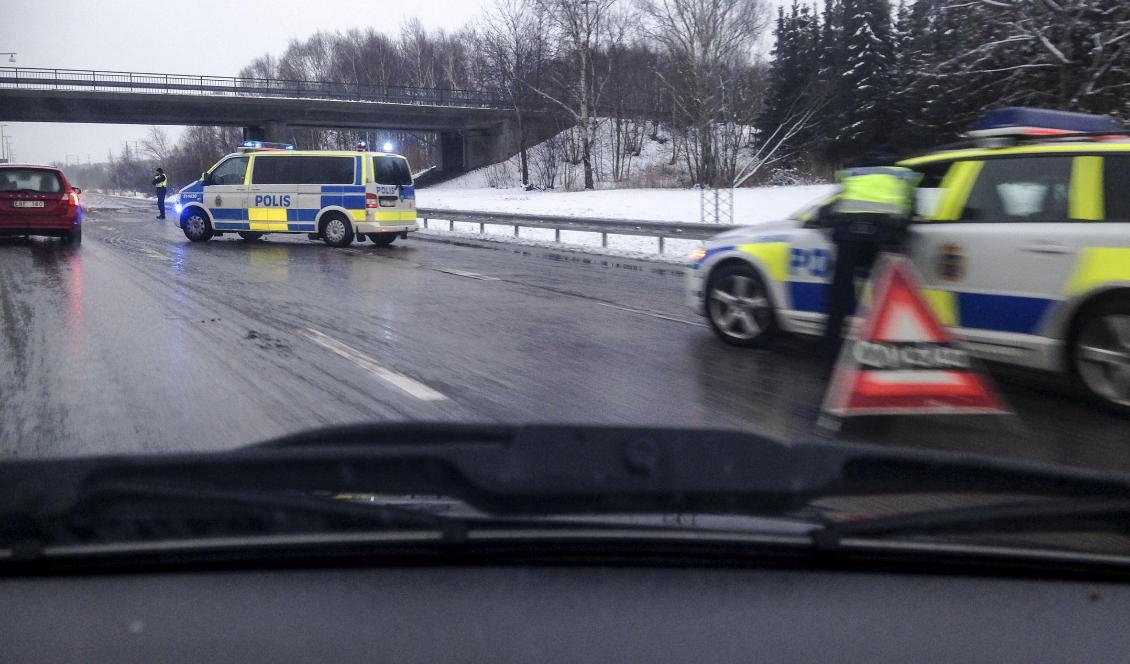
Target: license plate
point(27, 203)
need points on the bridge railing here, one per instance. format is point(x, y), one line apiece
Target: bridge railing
point(154, 83)
point(663, 230)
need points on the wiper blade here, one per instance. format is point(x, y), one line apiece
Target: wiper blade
point(114, 509)
point(545, 470)
point(1090, 515)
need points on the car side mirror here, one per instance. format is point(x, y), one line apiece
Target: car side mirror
point(205, 178)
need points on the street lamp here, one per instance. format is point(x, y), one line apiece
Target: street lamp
point(11, 56)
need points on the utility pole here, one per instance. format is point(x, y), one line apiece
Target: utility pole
point(3, 150)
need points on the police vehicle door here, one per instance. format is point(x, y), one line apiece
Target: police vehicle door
point(225, 192)
point(273, 189)
point(998, 249)
point(811, 258)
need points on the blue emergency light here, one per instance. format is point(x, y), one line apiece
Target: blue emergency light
point(1021, 121)
point(264, 145)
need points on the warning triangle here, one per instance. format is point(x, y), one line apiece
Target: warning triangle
point(902, 361)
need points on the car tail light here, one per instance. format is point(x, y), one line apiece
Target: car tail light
point(74, 199)
point(371, 201)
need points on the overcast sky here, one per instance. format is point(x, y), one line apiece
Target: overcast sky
point(215, 37)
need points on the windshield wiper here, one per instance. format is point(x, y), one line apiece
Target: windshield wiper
point(1091, 515)
point(537, 471)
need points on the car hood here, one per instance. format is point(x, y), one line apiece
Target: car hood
point(762, 232)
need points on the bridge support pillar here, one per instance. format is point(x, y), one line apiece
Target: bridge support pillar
point(468, 149)
point(272, 131)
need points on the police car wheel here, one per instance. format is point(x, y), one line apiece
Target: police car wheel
point(250, 236)
point(337, 231)
point(738, 306)
point(1100, 352)
point(382, 239)
point(196, 227)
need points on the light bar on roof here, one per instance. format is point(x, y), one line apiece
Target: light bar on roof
point(1020, 121)
point(263, 145)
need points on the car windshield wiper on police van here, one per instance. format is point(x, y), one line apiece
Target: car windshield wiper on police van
point(515, 476)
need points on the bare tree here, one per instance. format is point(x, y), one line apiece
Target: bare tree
point(583, 27)
point(708, 43)
point(157, 144)
point(512, 40)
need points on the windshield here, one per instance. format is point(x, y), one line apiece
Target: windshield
point(903, 226)
point(391, 170)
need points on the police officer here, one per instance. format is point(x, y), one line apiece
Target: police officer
point(869, 215)
point(162, 184)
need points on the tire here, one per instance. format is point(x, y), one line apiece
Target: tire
point(1099, 350)
point(250, 236)
point(73, 237)
point(739, 307)
point(337, 230)
point(196, 226)
point(382, 239)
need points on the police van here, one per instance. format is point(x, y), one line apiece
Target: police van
point(1021, 239)
point(336, 196)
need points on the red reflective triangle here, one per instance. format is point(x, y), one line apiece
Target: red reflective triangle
point(901, 316)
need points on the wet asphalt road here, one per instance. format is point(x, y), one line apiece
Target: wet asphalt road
point(141, 341)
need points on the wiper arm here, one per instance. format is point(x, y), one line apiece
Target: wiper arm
point(160, 509)
point(544, 470)
point(1045, 516)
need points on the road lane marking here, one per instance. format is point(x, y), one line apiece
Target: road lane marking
point(463, 273)
point(409, 385)
point(653, 314)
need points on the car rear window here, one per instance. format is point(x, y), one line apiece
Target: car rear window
point(392, 170)
point(30, 179)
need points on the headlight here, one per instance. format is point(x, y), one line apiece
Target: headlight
point(697, 254)
point(178, 207)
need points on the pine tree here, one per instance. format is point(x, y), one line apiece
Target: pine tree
point(866, 83)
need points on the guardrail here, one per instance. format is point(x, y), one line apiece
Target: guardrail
point(153, 83)
point(658, 229)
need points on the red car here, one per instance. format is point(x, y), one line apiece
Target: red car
point(38, 200)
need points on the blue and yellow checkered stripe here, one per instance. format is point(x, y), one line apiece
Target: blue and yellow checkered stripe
point(303, 220)
point(980, 311)
point(983, 311)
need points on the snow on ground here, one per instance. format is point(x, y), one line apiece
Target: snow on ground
point(751, 206)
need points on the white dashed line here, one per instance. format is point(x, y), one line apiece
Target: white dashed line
point(409, 385)
point(469, 275)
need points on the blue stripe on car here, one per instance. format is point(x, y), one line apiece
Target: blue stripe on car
point(1002, 313)
point(807, 295)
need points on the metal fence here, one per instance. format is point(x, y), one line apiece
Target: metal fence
point(141, 82)
point(662, 230)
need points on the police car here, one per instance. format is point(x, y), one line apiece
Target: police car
point(1021, 239)
point(337, 196)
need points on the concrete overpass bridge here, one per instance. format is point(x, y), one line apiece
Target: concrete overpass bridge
point(475, 128)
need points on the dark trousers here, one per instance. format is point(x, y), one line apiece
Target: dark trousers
point(161, 201)
point(852, 256)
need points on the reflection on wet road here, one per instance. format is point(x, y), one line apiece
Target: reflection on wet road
point(140, 340)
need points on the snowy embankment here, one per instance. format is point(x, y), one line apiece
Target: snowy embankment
point(751, 206)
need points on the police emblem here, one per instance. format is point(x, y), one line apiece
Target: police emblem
point(950, 264)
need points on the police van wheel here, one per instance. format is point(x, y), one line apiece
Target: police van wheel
point(250, 236)
point(1100, 353)
point(738, 306)
point(337, 231)
point(382, 239)
point(196, 227)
